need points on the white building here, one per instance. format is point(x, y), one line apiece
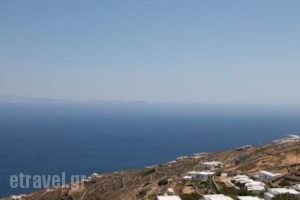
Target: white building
point(273, 191)
point(254, 186)
point(290, 138)
point(243, 147)
point(248, 198)
point(172, 162)
point(182, 158)
point(173, 197)
point(200, 155)
point(187, 178)
point(170, 191)
point(16, 197)
point(242, 179)
point(203, 175)
point(268, 176)
point(213, 165)
point(256, 189)
point(296, 187)
point(216, 197)
point(240, 176)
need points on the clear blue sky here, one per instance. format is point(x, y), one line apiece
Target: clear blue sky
point(194, 51)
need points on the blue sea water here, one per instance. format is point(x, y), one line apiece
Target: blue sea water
point(51, 138)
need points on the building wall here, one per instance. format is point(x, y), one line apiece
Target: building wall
point(268, 196)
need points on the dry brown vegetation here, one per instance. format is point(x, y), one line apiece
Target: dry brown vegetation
point(143, 184)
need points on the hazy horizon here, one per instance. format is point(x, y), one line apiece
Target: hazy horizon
point(15, 99)
point(195, 52)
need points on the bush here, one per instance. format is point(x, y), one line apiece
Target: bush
point(148, 171)
point(163, 182)
point(219, 173)
point(192, 196)
point(284, 182)
point(142, 193)
point(229, 191)
point(146, 184)
point(244, 192)
point(285, 196)
point(261, 194)
point(233, 192)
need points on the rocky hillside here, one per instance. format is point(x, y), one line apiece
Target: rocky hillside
point(148, 182)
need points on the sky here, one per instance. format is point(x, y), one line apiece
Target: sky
point(219, 52)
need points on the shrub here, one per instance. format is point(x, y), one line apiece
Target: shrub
point(146, 184)
point(219, 173)
point(148, 171)
point(233, 192)
point(244, 192)
point(284, 182)
point(163, 182)
point(229, 191)
point(192, 196)
point(142, 193)
point(261, 194)
point(285, 196)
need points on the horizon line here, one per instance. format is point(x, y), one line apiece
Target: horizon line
point(26, 99)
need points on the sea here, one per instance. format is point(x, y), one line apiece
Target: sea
point(48, 138)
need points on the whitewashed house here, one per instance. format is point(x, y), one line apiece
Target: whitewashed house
point(216, 197)
point(273, 191)
point(181, 158)
point(242, 179)
point(254, 186)
point(203, 175)
point(200, 155)
point(170, 191)
point(290, 138)
point(17, 197)
point(248, 198)
point(256, 189)
point(172, 197)
point(268, 176)
point(187, 178)
point(296, 187)
point(213, 165)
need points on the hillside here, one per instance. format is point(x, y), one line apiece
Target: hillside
point(148, 182)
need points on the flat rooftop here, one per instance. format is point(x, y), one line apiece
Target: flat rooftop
point(168, 197)
point(248, 198)
point(282, 190)
point(217, 197)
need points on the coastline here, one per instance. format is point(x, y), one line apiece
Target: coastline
point(127, 183)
